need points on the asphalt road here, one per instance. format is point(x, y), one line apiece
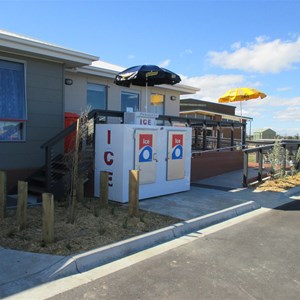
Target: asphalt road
point(255, 259)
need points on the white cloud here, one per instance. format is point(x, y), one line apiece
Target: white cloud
point(291, 131)
point(289, 114)
point(186, 52)
point(275, 101)
point(131, 56)
point(212, 87)
point(271, 110)
point(261, 56)
point(165, 63)
point(261, 39)
point(284, 89)
point(236, 45)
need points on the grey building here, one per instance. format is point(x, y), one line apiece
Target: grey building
point(40, 82)
point(264, 134)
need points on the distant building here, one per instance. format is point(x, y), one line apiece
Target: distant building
point(212, 111)
point(207, 110)
point(261, 134)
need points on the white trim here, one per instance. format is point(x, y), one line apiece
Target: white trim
point(84, 63)
point(111, 73)
point(24, 129)
point(14, 43)
point(182, 88)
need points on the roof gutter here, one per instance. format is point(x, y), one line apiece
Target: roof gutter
point(18, 44)
point(109, 73)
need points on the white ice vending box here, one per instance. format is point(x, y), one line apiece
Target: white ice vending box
point(162, 154)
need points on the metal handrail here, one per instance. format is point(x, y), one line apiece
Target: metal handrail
point(193, 122)
point(61, 135)
point(92, 114)
point(260, 151)
point(48, 145)
point(217, 149)
point(95, 114)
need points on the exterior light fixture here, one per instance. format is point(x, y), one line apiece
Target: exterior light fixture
point(68, 81)
point(173, 98)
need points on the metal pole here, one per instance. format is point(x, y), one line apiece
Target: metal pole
point(260, 164)
point(245, 169)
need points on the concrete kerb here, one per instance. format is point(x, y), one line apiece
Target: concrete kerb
point(72, 265)
point(292, 192)
point(198, 223)
point(100, 256)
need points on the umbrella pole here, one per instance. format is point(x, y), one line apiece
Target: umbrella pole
point(146, 106)
point(241, 110)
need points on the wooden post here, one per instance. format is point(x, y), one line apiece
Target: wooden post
point(48, 217)
point(103, 199)
point(22, 204)
point(74, 178)
point(133, 193)
point(2, 194)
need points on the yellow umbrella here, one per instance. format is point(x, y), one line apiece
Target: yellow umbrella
point(240, 95)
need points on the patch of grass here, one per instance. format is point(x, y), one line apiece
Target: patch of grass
point(11, 233)
point(142, 218)
point(69, 247)
point(125, 223)
point(85, 234)
point(113, 210)
point(280, 184)
point(101, 228)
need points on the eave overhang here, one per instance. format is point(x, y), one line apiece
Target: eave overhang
point(21, 45)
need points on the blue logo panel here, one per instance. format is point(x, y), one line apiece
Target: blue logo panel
point(145, 154)
point(177, 152)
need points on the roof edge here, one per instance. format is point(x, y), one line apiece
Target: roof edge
point(22, 44)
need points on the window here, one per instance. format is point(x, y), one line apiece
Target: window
point(12, 101)
point(129, 102)
point(158, 108)
point(96, 96)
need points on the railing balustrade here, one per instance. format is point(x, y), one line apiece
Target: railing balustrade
point(260, 152)
point(100, 116)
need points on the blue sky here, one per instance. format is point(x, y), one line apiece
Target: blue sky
point(213, 45)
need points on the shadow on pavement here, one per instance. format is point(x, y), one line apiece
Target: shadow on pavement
point(292, 206)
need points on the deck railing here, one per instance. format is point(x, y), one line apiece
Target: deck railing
point(260, 152)
point(201, 140)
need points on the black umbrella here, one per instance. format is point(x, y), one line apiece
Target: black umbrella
point(146, 75)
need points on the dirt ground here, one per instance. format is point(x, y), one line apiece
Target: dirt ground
point(91, 229)
point(280, 185)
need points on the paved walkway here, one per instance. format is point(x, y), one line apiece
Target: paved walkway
point(209, 201)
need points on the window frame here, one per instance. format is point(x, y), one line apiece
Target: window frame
point(162, 105)
point(23, 122)
point(106, 94)
point(132, 93)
